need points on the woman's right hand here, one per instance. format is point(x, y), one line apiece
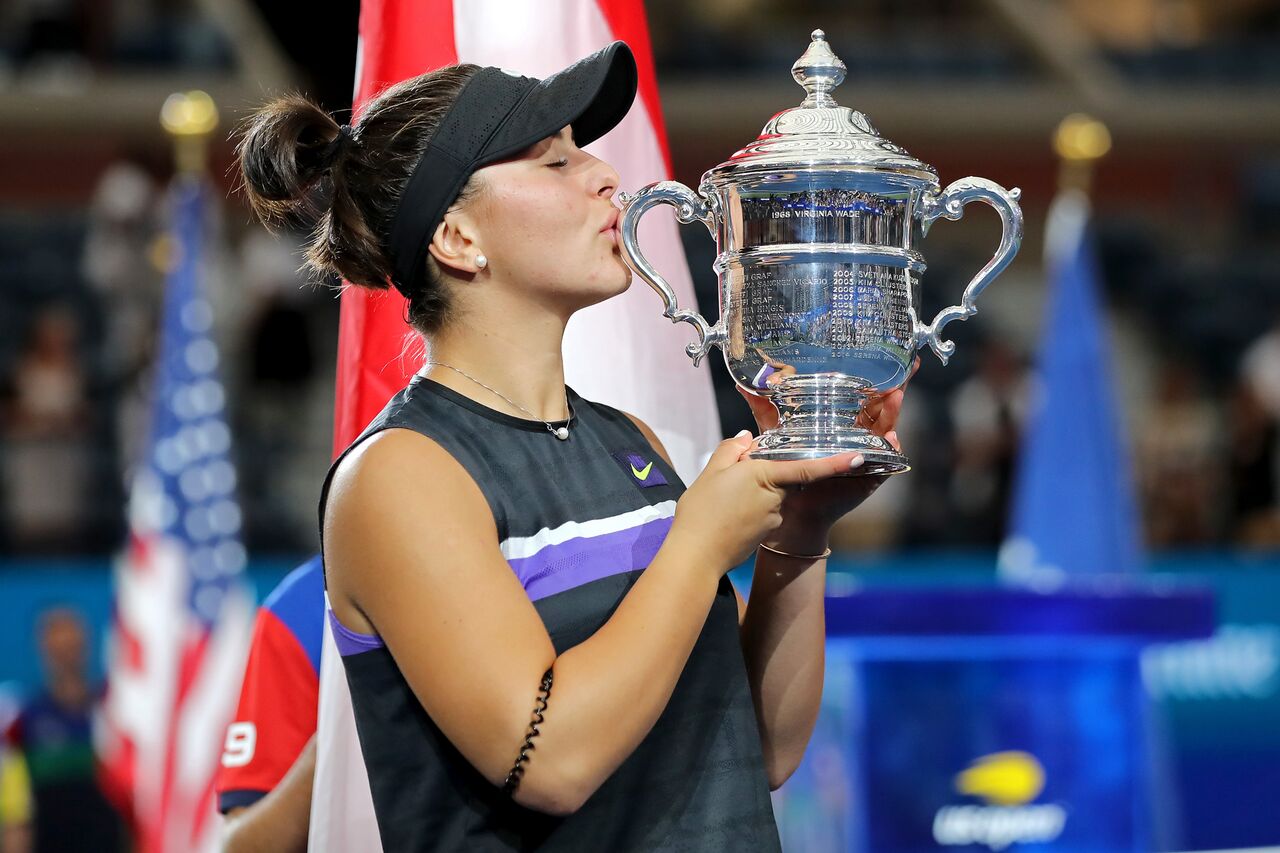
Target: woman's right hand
point(733, 505)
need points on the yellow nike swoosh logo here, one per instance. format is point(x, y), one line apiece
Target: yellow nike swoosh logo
point(640, 475)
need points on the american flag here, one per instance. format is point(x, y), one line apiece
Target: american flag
point(183, 614)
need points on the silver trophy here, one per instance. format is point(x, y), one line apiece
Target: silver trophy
point(819, 275)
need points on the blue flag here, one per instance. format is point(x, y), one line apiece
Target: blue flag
point(1073, 509)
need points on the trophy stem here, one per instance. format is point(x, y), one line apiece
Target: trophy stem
point(818, 417)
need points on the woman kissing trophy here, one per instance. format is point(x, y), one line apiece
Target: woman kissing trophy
point(819, 279)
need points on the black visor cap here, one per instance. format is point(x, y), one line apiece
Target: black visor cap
point(591, 96)
point(496, 116)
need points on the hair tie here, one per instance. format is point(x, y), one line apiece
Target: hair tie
point(337, 145)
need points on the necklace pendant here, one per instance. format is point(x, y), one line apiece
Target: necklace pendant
point(561, 433)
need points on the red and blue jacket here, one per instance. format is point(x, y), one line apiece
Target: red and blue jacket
point(277, 712)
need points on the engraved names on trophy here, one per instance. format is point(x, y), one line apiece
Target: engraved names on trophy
point(822, 215)
point(877, 300)
point(853, 307)
point(778, 307)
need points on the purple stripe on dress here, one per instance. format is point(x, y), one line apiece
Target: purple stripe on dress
point(352, 642)
point(578, 561)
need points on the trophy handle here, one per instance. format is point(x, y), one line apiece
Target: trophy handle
point(689, 207)
point(950, 205)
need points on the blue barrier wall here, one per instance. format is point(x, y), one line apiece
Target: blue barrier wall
point(27, 588)
point(1217, 701)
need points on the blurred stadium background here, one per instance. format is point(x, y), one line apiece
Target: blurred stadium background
point(1187, 223)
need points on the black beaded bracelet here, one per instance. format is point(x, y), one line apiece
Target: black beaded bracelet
point(513, 778)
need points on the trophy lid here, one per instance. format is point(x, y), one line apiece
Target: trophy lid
point(820, 133)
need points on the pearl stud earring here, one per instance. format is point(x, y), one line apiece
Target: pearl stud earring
point(481, 261)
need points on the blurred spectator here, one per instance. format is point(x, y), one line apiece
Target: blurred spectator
point(1254, 424)
point(45, 429)
point(277, 391)
point(1260, 370)
point(123, 226)
point(15, 802)
point(1253, 437)
point(121, 267)
point(987, 412)
point(282, 356)
point(53, 732)
point(1179, 466)
point(48, 382)
point(15, 785)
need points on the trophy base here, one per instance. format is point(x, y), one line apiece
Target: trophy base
point(819, 418)
point(878, 455)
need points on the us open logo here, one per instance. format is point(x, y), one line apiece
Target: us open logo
point(1008, 782)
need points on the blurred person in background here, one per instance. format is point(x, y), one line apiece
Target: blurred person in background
point(277, 392)
point(1254, 408)
point(48, 380)
point(46, 433)
point(124, 222)
point(53, 732)
point(15, 789)
point(987, 412)
point(1178, 460)
point(1260, 370)
point(269, 757)
point(1254, 466)
point(15, 802)
point(120, 267)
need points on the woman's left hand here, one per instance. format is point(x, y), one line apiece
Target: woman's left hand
point(809, 512)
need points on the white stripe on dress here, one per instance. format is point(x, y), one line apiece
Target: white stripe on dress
point(519, 547)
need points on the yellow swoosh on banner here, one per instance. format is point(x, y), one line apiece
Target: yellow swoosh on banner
point(1003, 778)
point(640, 475)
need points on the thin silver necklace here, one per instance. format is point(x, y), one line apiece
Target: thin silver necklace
point(561, 433)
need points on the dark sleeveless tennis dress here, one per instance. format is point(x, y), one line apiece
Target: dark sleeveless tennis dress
point(578, 521)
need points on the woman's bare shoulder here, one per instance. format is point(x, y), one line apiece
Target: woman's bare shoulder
point(388, 502)
point(399, 465)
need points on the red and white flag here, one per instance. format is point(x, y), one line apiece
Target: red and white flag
point(182, 616)
point(623, 352)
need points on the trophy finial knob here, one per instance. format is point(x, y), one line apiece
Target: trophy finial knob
point(819, 71)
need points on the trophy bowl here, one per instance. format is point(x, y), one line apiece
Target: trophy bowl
point(819, 279)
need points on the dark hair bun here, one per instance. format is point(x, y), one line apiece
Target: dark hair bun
point(285, 159)
point(299, 168)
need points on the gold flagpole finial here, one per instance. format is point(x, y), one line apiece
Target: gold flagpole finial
point(189, 118)
point(1080, 141)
